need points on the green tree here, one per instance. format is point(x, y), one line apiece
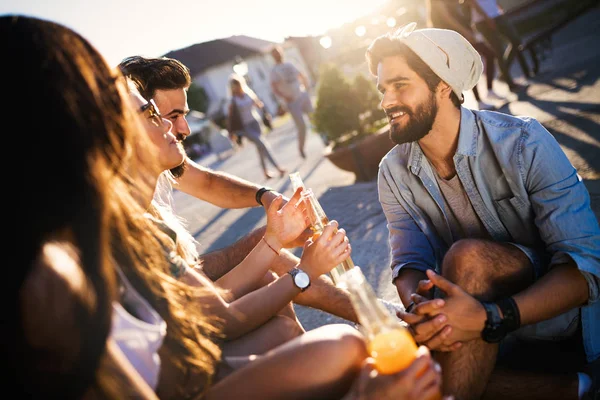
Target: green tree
point(337, 111)
point(367, 96)
point(197, 98)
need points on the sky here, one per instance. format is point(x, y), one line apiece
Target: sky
point(121, 28)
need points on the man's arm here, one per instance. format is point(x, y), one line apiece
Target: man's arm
point(563, 214)
point(220, 188)
point(412, 254)
point(277, 92)
point(407, 283)
point(304, 79)
point(219, 262)
point(540, 301)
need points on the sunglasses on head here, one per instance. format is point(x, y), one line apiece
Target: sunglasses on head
point(150, 111)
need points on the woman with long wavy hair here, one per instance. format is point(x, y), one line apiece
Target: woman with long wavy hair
point(79, 216)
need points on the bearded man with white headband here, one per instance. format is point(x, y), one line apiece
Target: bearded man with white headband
point(493, 240)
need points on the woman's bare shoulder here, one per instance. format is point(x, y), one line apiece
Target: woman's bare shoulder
point(50, 296)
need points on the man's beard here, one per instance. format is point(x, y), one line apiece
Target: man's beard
point(419, 123)
point(180, 169)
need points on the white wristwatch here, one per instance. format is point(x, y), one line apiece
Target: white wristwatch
point(300, 278)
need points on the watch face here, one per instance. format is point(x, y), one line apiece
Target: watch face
point(302, 280)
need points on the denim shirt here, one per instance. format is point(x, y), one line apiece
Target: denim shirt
point(521, 185)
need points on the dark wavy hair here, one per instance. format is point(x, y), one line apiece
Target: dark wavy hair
point(152, 74)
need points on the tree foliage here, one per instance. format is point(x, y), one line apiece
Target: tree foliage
point(336, 112)
point(345, 108)
point(197, 98)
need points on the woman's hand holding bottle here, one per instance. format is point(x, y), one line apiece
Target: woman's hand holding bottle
point(285, 223)
point(323, 252)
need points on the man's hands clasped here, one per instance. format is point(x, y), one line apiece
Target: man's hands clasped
point(444, 324)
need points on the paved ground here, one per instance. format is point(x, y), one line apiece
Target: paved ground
point(565, 97)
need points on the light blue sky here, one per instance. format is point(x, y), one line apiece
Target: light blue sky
point(120, 28)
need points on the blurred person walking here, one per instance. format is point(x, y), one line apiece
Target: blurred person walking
point(450, 14)
point(489, 19)
point(292, 86)
point(244, 119)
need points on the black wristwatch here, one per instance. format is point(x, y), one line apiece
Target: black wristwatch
point(259, 194)
point(494, 330)
point(497, 325)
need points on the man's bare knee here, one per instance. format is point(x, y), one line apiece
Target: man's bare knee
point(487, 269)
point(462, 264)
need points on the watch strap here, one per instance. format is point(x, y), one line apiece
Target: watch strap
point(493, 331)
point(511, 317)
point(493, 313)
point(260, 192)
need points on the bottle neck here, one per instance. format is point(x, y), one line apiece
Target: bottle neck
point(316, 215)
point(372, 315)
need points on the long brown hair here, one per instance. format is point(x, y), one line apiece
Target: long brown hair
point(73, 113)
point(85, 136)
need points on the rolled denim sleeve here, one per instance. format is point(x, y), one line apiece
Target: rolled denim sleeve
point(593, 285)
point(561, 203)
point(410, 247)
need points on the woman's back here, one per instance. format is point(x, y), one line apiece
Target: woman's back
point(246, 108)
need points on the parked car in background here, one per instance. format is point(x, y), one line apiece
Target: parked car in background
point(206, 137)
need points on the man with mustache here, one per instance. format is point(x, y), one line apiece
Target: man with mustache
point(492, 236)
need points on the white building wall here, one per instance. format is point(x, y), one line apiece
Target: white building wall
point(215, 80)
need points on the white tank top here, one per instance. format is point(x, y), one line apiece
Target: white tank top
point(138, 336)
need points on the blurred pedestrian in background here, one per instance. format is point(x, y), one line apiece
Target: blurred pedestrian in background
point(450, 14)
point(244, 119)
point(292, 86)
point(488, 18)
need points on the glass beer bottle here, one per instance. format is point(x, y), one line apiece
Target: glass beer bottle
point(318, 220)
point(389, 342)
